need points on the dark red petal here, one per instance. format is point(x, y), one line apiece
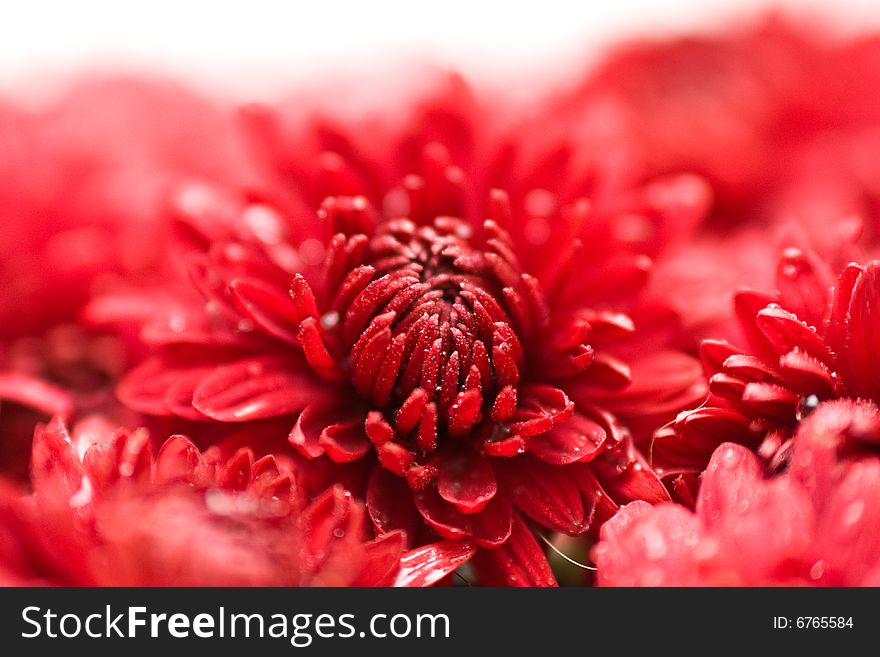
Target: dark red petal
point(179, 460)
point(519, 562)
point(768, 399)
point(390, 504)
point(322, 519)
point(626, 476)
point(306, 433)
point(256, 388)
point(383, 559)
point(429, 564)
point(466, 481)
point(747, 304)
point(862, 335)
point(688, 446)
point(804, 282)
point(345, 441)
point(540, 408)
point(271, 309)
point(786, 332)
point(489, 527)
point(713, 353)
point(807, 375)
point(837, 333)
point(577, 439)
point(548, 495)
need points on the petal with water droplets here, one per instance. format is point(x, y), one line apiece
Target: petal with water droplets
point(256, 388)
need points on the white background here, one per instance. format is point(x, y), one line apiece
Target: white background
point(255, 47)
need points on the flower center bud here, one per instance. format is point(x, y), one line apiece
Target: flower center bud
point(431, 329)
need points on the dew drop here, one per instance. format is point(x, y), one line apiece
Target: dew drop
point(806, 406)
point(339, 532)
point(817, 570)
point(329, 320)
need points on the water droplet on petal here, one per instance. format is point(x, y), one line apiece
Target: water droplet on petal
point(329, 320)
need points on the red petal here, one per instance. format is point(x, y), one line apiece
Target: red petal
point(345, 442)
point(769, 399)
point(146, 388)
point(430, 563)
point(807, 375)
point(56, 472)
point(548, 495)
point(733, 473)
point(383, 560)
point(270, 309)
point(786, 332)
point(519, 562)
point(713, 353)
point(256, 388)
point(804, 282)
point(626, 476)
point(390, 504)
point(540, 408)
point(35, 393)
point(578, 439)
point(646, 546)
point(489, 527)
point(321, 520)
point(179, 460)
point(689, 446)
point(862, 356)
point(467, 481)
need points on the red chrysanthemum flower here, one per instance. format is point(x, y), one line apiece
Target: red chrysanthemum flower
point(738, 107)
point(814, 340)
point(458, 346)
point(817, 524)
point(105, 511)
point(83, 180)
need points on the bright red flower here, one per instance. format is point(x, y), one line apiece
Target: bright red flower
point(454, 346)
point(814, 340)
point(816, 524)
point(105, 511)
point(738, 107)
point(83, 180)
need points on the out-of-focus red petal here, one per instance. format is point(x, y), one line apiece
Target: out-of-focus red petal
point(381, 564)
point(429, 564)
point(644, 546)
point(35, 393)
point(730, 478)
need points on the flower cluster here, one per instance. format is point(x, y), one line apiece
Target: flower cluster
point(446, 339)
